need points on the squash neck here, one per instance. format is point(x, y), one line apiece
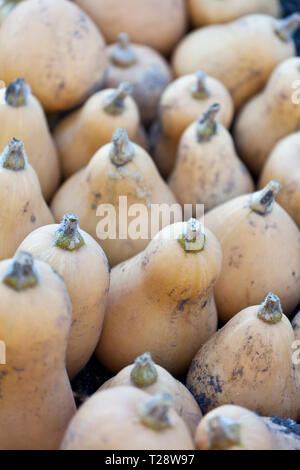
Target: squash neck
point(223, 433)
point(192, 238)
point(122, 150)
point(22, 273)
point(207, 126)
point(68, 236)
point(14, 157)
point(114, 103)
point(154, 411)
point(144, 372)
point(123, 54)
point(270, 311)
point(199, 90)
point(17, 93)
point(262, 201)
point(285, 28)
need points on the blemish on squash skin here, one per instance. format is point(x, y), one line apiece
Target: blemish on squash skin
point(26, 207)
point(32, 218)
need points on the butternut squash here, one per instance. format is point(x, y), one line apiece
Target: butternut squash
point(278, 115)
point(22, 117)
point(36, 401)
point(143, 68)
point(5, 8)
point(205, 12)
point(120, 168)
point(22, 207)
point(151, 378)
point(261, 249)
point(241, 54)
point(285, 432)
point(187, 98)
point(79, 135)
point(163, 149)
point(283, 165)
point(207, 169)
point(161, 300)
point(55, 46)
point(231, 427)
point(125, 418)
point(157, 24)
point(296, 326)
point(82, 264)
point(249, 363)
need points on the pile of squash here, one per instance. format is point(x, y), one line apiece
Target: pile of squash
point(173, 102)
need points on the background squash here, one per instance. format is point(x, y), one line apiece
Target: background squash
point(36, 401)
point(22, 207)
point(48, 30)
point(152, 378)
point(82, 264)
point(22, 117)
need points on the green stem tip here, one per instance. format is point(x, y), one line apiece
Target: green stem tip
point(13, 156)
point(154, 411)
point(262, 201)
point(222, 433)
point(286, 27)
point(193, 237)
point(17, 93)
point(114, 103)
point(199, 90)
point(270, 311)
point(122, 150)
point(22, 273)
point(68, 236)
point(207, 126)
point(123, 54)
point(144, 372)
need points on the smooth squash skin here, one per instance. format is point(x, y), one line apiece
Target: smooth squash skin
point(261, 252)
point(22, 207)
point(79, 135)
point(249, 363)
point(231, 427)
point(161, 300)
point(283, 165)
point(119, 169)
point(22, 117)
point(36, 401)
point(207, 169)
point(187, 98)
point(68, 51)
point(143, 68)
point(241, 54)
point(125, 418)
point(151, 378)
point(269, 116)
point(156, 24)
point(82, 264)
point(6, 7)
point(206, 12)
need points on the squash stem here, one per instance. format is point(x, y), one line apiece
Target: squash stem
point(122, 150)
point(114, 103)
point(144, 372)
point(222, 433)
point(123, 54)
point(17, 93)
point(13, 156)
point(262, 201)
point(22, 273)
point(154, 411)
point(207, 126)
point(199, 89)
point(193, 237)
point(286, 27)
point(270, 310)
point(68, 236)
